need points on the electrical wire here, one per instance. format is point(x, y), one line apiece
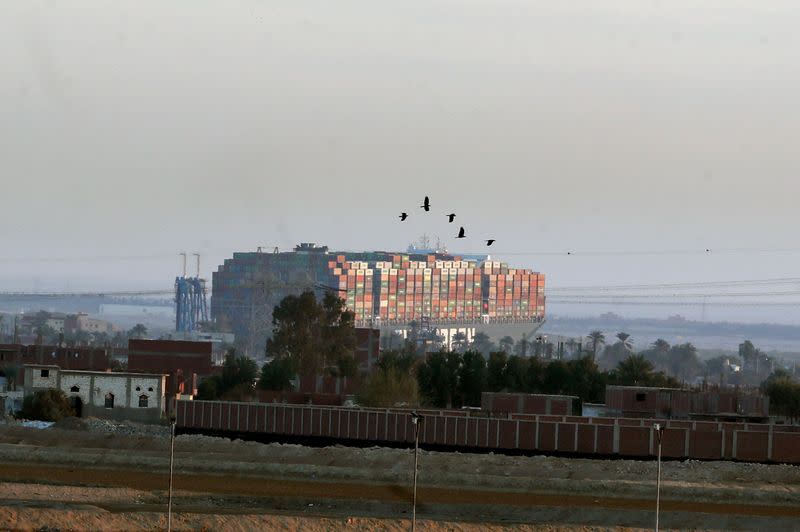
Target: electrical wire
point(679, 286)
point(680, 303)
point(628, 253)
point(668, 296)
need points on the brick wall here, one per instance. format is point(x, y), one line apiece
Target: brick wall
point(563, 434)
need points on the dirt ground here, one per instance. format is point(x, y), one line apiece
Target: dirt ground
point(107, 479)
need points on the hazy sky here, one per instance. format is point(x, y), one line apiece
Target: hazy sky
point(141, 128)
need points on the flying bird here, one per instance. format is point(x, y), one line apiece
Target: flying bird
point(403, 216)
point(461, 233)
point(426, 205)
point(490, 242)
point(451, 217)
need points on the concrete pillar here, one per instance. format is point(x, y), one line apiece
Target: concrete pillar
point(769, 444)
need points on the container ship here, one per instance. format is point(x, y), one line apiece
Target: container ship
point(386, 290)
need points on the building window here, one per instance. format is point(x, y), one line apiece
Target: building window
point(75, 389)
point(150, 389)
point(44, 373)
point(640, 397)
point(138, 388)
point(142, 401)
point(109, 400)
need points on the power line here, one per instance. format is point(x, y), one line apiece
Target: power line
point(615, 253)
point(564, 252)
point(122, 293)
point(658, 286)
point(679, 303)
point(87, 258)
point(668, 296)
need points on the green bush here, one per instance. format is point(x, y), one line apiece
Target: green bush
point(47, 405)
point(387, 388)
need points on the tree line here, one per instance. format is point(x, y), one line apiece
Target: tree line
point(313, 336)
point(451, 379)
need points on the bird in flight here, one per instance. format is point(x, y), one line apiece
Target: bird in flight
point(461, 233)
point(426, 205)
point(403, 216)
point(490, 242)
point(451, 217)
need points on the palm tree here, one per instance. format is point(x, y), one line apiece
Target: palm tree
point(483, 343)
point(506, 343)
point(659, 354)
point(597, 338)
point(623, 339)
point(138, 331)
point(571, 344)
point(521, 347)
point(459, 341)
point(661, 345)
point(634, 370)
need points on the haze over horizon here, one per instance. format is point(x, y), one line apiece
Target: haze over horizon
point(132, 131)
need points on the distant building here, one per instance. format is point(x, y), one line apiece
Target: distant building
point(56, 322)
point(13, 357)
point(81, 322)
point(219, 340)
point(118, 396)
point(528, 403)
point(674, 403)
point(184, 362)
point(367, 352)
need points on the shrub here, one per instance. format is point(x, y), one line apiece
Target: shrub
point(47, 405)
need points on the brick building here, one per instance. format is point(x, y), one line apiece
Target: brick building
point(367, 349)
point(528, 403)
point(675, 403)
point(14, 356)
point(183, 361)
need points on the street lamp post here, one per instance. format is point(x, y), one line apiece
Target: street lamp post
point(658, 429)
point(416, 419)
point(171, 463)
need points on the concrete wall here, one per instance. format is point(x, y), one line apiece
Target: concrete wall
point(82, 382)
point(34, 378)
point(142, 415)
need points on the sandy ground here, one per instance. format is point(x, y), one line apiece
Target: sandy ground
point(90, 480)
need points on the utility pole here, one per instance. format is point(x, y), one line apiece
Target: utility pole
point(171, 463)
point(416, 419)
point(657, 427)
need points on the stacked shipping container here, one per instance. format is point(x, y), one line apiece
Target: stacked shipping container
point(354, 280)
point(400, 289)
point(513, 293)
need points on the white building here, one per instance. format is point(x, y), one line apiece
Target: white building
point(56, 322)
point(119, 396)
